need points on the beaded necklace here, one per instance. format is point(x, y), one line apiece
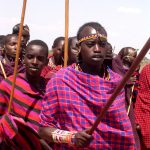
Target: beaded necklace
point(106, 75)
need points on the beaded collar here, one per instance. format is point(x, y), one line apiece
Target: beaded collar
point(93, 36)
point(106, 75)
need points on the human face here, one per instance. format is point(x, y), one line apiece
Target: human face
point(58, 51)
point(109, 54)
point(129, 58)
point(73, 52)
point(11, 46)
point(93, 51)
point(25, 38)
point(35, 59)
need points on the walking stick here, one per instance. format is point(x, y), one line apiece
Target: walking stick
point(121, 85)
point(3, 70)
point(17, 54)
point(130, 102)
point(66, 32)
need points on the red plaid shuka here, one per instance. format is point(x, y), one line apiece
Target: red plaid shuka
point(142, 105)
point(74, 99)
point(26, 106)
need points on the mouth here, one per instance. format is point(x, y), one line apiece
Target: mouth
point(34, 68)
point(97, 56)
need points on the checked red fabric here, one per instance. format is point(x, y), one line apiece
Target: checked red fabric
point(142, 105)
point(74, 99)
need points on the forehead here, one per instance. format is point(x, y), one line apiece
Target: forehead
point(11, 39)
point(60, 42)
point(87, 31)
point(130, 50)
point(36, 49)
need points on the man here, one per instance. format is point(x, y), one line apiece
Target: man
point(73, 50)
point(8, 57)
point(28, 94)
point(76, 95)
point(142, 107)
point(57, 49)
point(56, 60)
point(25, 35)
point(121, 64)
point(1, 43)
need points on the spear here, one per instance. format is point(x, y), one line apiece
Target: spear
point(17, 54)
point(135, 64)
point(66, 32)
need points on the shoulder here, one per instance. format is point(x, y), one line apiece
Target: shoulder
point(10, 79)
point(114, 76)
point(146, 68)
point(64, 71)
point(62, 74)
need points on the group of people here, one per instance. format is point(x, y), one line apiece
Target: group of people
point(54, 107)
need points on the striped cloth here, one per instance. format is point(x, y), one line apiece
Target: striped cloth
point(26, 102)
point(72, 102)
point(142, 106)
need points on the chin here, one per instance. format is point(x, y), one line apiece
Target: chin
point(33, 74)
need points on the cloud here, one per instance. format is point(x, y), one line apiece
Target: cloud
point(130, 10)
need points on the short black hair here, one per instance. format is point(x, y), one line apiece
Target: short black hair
point(56, 41)
point(97, 26)
point(40, 43)
point(16, 28)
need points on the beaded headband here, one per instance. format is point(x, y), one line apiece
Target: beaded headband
point(93, 36)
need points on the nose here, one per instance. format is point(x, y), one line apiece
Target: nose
point(97, 48)
point(35, 61)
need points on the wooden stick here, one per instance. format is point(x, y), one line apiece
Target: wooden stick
point(66, 32)
point(3, 71)
point(130, 102)
point(17, 54)
point(121, 85)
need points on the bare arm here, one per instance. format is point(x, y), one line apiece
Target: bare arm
point(46, 133)
point(78, 139)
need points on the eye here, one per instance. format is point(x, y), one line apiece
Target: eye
point(90, 44)
point(41, 58)
point(102, 43)
point(29, 56)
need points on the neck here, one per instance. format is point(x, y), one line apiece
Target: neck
point(57, 61)
point(35, 81)
point(93, 70)
point(9, 60)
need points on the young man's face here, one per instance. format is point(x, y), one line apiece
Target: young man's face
point(73, 51)
point(93, 51)
point(11, 46)
point(35, 59)
point(58, 51)
point(25, 38)
point(129, 58)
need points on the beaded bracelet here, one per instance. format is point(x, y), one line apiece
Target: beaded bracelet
point(62, 136)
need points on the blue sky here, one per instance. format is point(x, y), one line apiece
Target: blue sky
point(127, 21)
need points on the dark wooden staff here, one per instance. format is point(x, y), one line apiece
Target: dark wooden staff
point(66, 32)
point(121, 85)
point(17, 54)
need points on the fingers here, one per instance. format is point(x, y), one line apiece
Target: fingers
point(82, 139)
